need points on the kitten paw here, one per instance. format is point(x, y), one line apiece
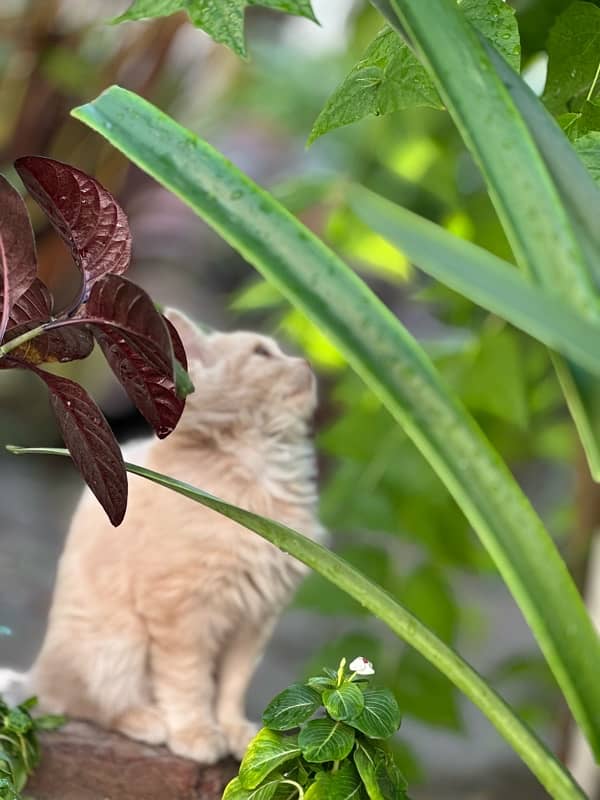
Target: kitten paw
point(144, 723)
point(238, 734)
point(206, 744)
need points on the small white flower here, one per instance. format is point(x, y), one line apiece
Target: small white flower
point(362, 666)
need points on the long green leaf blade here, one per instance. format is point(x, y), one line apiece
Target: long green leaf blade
point(520, 186)
point(582, 201)
point(496, 286)
point(483, 278)
point(542, 763)
point(384, 354)
point(576, 184)
point(538, 226)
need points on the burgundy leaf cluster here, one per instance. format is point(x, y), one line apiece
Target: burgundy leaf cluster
point(141, 346)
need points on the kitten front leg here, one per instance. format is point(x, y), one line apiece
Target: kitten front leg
point(144, 723)
point(237, 666)
point(183, 684)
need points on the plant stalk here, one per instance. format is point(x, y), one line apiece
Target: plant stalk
point(7, 347)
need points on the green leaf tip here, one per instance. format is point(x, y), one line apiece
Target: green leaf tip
point(223, 22)
point(389, 77)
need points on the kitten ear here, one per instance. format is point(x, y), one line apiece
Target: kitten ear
point(192, 336)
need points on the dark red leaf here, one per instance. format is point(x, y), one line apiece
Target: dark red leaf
point(137, 345)
point(34, 305)
point(178, 348)
point(84, 213)
point(90, 441)
point(18, 264)
point(183, 382)
point(58, 344)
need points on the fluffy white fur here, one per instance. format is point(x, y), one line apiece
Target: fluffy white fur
point(156, 626)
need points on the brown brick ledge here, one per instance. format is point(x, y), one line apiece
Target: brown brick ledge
point(82, 762)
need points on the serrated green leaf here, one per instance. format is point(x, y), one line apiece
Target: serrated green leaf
point(325, 740)
point(149, 9)
point(265, 753)
point(573, 56)
point(223, 20)
point(299, 8)
point(588, 148)
point(291, 707)
point(345, 702)
point(380, 717)
point(344, 784)
point(389, 77)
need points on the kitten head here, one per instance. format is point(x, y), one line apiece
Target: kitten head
point(243, 381)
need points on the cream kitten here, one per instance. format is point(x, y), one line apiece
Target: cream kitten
point(156, 626)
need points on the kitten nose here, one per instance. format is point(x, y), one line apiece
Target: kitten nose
point(305, 373)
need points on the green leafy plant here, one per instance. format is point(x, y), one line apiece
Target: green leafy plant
point(324, 739)
point(19, 747)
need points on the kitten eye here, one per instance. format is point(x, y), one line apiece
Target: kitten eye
point(261, 350)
